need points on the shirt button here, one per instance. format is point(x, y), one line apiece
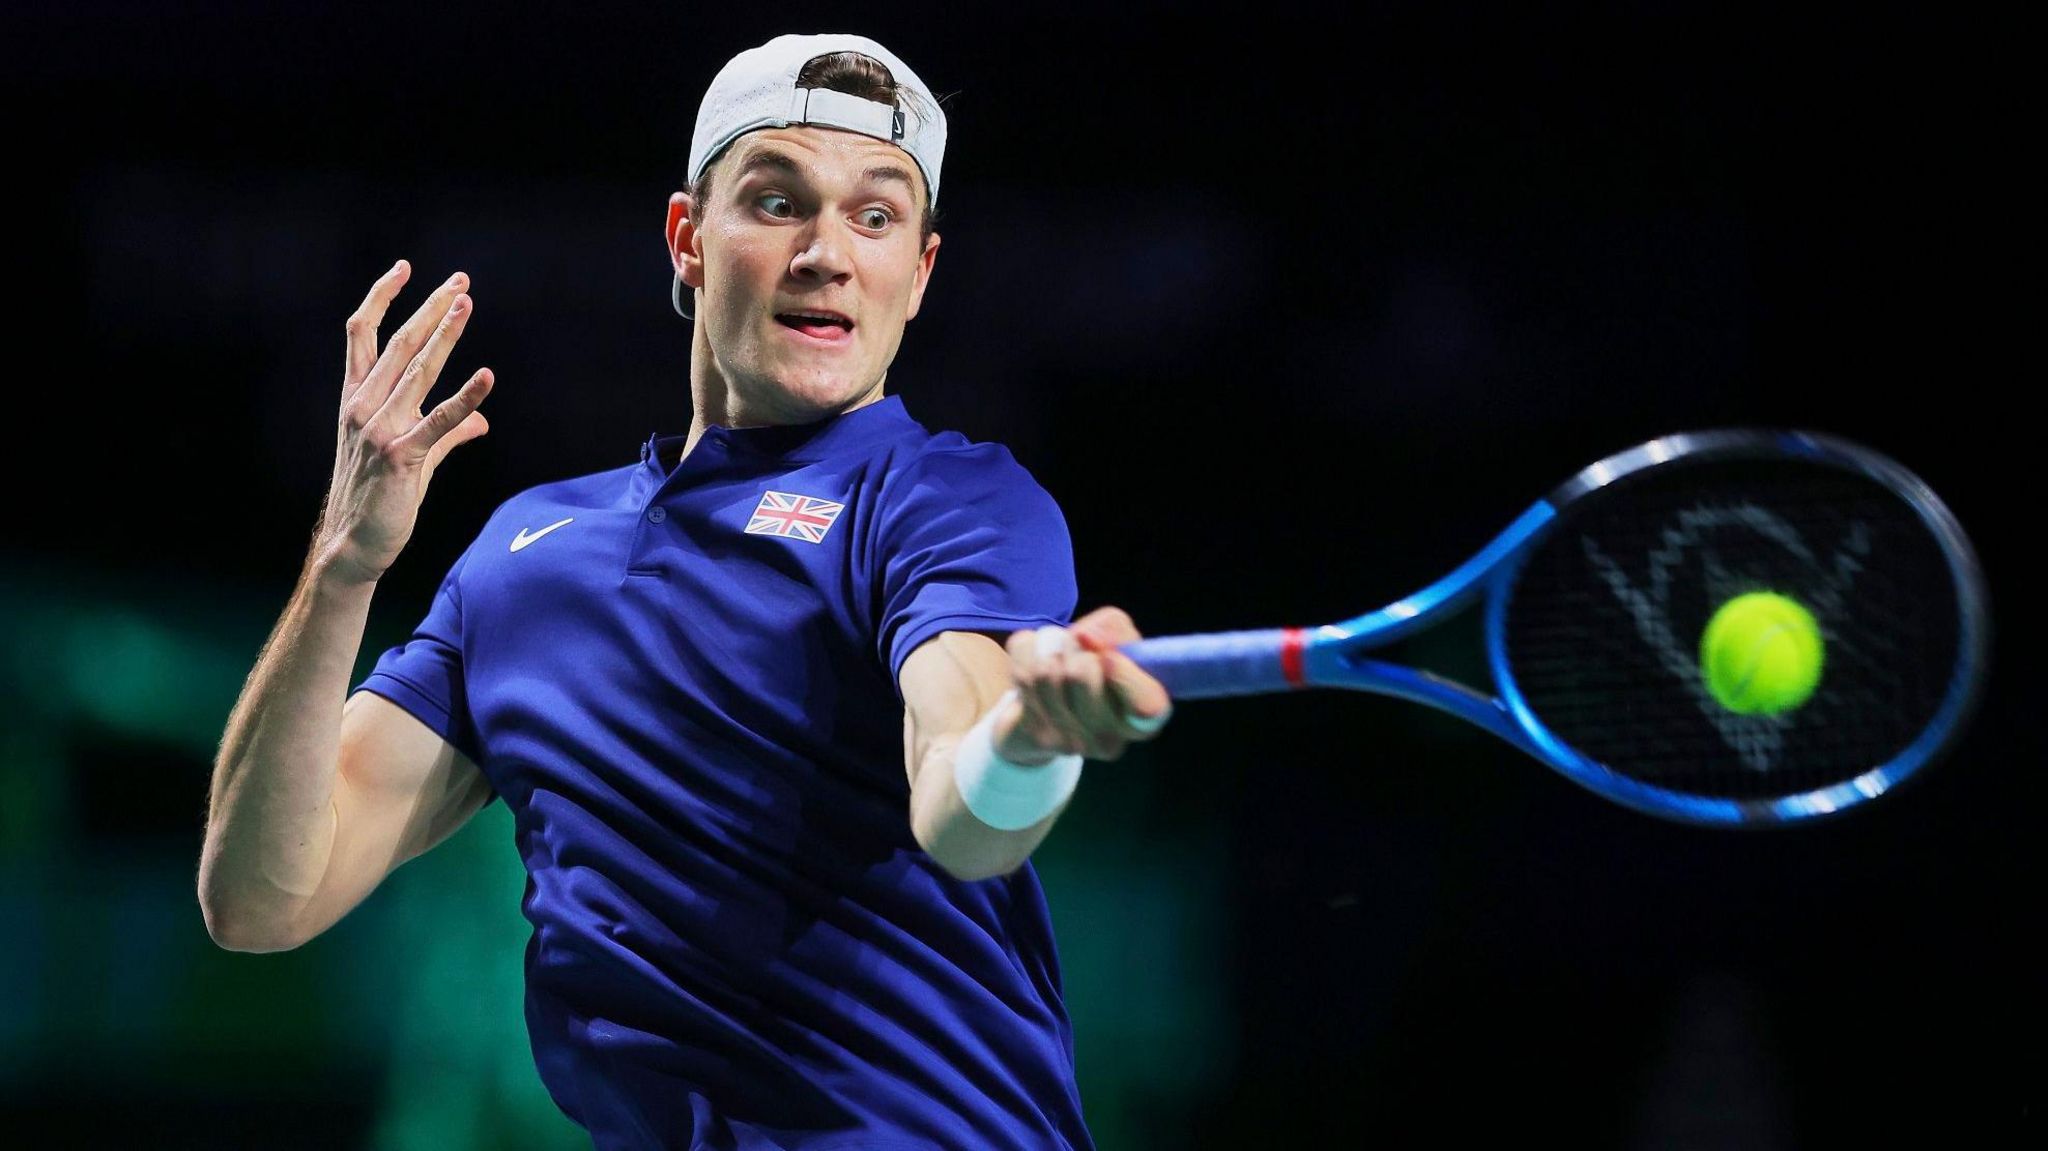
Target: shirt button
point(657, 514)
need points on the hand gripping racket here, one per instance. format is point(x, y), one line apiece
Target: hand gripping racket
point(1596, 600)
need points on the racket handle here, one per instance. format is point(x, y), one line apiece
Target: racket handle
point(1222, 663)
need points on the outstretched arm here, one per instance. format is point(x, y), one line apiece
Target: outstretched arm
point(1052, 692)
point(312, 800)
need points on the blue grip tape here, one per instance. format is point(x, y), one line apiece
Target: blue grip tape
point(1224, 663)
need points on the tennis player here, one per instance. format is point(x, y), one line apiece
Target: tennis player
point(780, 709)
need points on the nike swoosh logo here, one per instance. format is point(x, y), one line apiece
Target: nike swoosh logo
point(522, 539)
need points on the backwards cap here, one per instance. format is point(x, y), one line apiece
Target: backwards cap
point(757, 89)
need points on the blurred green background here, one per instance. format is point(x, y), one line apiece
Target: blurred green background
point(1291, 307)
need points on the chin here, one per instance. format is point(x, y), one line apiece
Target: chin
point(804, 402)
point(822, 391)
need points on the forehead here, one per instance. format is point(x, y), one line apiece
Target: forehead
point(825, 155)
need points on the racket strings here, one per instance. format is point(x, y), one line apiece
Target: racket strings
point(1602, 631)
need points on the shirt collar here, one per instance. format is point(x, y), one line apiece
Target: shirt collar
point(853, 431)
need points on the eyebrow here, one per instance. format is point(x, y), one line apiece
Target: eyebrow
point(772, 160)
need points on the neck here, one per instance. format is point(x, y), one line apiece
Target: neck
point(716, 403)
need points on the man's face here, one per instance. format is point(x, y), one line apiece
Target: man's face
point(810, 260)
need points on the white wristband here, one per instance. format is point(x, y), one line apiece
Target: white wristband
point(1009, 796)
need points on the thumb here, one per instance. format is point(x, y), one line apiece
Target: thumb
point(1142, 699)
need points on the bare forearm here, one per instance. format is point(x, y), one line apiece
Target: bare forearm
point(271, 820)
point(271, 816)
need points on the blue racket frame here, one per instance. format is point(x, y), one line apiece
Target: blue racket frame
point(1333, 656)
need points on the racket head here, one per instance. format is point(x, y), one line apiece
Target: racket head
point(1593, 625)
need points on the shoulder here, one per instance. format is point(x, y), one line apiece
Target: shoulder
point(949, 466)
point(956, 493)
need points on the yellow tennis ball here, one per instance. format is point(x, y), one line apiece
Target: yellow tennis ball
point(1762, 654)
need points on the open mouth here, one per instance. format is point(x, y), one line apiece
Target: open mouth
point(817, 325)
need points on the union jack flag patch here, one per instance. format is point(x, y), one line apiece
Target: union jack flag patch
point(807, 518)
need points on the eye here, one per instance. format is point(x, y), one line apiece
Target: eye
point(877, 218)
point(777, 205)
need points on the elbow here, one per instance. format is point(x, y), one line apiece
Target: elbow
point(230, 934)
point(235, 929)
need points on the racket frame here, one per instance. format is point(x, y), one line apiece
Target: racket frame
point(1336, 655)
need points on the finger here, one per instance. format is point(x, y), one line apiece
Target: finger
point(1099, 722)
point(405, 344)
point(449, 417)
point(1033, 650)
point(403, 406)
point(1048, 720)
point(473, 426)
point(361, 329)
point(1030, 649)
point(1110, 625)
point(1142, 703)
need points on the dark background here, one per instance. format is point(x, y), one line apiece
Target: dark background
point(1291, 306)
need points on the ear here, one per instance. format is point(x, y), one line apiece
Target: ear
point(684, 251)
point(925, 260)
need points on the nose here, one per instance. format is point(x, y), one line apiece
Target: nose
point(826, 255)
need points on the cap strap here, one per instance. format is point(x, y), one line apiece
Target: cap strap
point(834, 109)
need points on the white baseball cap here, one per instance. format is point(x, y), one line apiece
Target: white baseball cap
point(757, 89)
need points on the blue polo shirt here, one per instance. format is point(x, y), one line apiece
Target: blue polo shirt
point(682, 682)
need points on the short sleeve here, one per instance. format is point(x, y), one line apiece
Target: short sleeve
point(970, 542)
point(424, 675)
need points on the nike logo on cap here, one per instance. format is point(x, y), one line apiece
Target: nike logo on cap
point(522, 539)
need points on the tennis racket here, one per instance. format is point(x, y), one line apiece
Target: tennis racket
point(1595, 602)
